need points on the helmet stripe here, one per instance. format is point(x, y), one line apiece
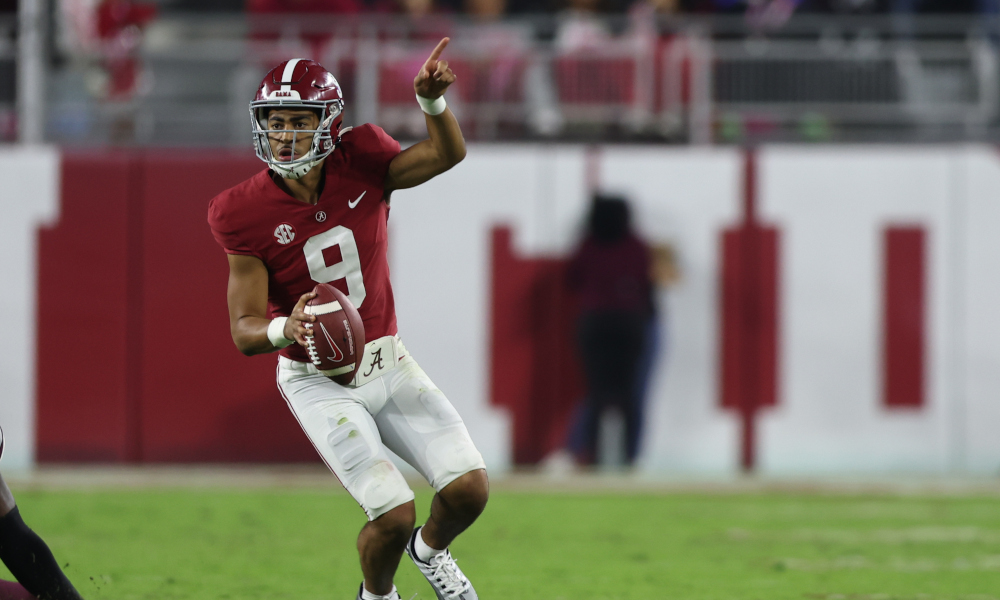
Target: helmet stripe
point(286, 76)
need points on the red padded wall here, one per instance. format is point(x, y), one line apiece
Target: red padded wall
point(82, 313)
point(153, 375)
point(202, 399)
point(534, 371)
point(749, 318)
point(904, 312)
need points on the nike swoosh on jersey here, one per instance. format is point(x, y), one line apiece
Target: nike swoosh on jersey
point(356, 200)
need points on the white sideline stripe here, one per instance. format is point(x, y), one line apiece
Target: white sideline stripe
point(286, 75)
point(324, 309)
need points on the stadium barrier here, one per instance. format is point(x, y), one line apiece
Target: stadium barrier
point(188, 78)
point(886, 344)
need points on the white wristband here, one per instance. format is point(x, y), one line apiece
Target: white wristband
point(432, 107)
point(276, 333)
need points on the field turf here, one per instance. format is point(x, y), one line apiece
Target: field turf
point(299, 544)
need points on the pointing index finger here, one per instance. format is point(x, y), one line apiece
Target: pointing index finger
point(436, 53)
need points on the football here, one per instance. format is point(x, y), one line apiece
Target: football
point(338, 336)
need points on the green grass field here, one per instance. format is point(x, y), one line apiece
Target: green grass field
point(198, 544)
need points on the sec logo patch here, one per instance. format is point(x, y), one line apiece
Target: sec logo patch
point(284, 233)
point(321, 216)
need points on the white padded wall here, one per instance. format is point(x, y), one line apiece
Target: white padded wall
point(31, 197)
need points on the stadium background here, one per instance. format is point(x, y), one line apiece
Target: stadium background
point(828, 176)
point(129, 298)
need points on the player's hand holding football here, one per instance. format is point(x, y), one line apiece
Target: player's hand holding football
point(295, 328)
point(435, 76)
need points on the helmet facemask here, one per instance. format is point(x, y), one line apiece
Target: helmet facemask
point(323, 142)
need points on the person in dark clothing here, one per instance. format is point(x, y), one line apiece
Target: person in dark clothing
point(611, 273)
point(27, 557)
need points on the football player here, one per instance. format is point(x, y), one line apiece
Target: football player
point(318, 214)
point(27, 557)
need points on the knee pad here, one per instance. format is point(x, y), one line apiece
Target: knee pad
point(453, 455)
point(375, 483)
point(380, 487)
point(348, 444)
point(384, 487)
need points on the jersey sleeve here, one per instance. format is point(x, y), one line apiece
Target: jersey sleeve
point(375, 148)
point(224, 231)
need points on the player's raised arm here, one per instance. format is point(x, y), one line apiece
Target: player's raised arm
point(253, 333)
point(445, 146)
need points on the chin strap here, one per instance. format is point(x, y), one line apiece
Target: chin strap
point(297, 171)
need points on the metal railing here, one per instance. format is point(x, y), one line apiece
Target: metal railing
point(683, 81)
point(8, 76)
point(928, 88)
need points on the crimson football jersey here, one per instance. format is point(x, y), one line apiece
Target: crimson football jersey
point(341, 240)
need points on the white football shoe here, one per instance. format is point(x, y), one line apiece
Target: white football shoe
point(442, 572)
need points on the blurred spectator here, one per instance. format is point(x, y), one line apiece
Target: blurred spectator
point(770, 14)
point(664, 273)
point(402, 52)
point(581, 26)
point(492, 60)
point(611, 271)
point(499, 73)
point(654, 42)
point(416, 8)
point(595, 72)
point(120, 25)
point(760, 14)
point(307, 7)
point(485, 10)
point(427, 22)
point(645, 16)
point(661, 7)
point(296, 18)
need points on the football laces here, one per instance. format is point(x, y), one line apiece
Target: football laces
point(311, 346)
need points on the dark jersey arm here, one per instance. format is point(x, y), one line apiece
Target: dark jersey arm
point(445, 147)
point(424, 160)
point(247, 299)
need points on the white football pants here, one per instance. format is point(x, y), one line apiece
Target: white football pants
point(351, 428)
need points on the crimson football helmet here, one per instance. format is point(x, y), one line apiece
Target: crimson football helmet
point(298, 83)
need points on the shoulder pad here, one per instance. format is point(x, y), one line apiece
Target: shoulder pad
point(342, 132)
